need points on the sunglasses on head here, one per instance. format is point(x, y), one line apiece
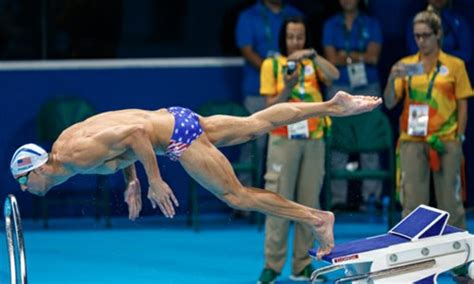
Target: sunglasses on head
point(23, 180)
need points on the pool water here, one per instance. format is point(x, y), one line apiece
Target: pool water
point(159, 250)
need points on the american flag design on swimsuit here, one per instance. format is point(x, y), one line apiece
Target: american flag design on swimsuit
point(186, 130)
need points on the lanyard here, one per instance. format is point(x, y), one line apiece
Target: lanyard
point(267, 26)
point(301, 83)
point(363, 35)
point(301, 91)
point(430, 84)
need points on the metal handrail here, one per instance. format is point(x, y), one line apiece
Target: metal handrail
point(13, 227)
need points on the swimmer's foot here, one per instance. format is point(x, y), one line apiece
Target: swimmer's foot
point(324, 233)
point(345, 104)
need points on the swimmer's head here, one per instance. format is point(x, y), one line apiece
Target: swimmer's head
point(25, 167)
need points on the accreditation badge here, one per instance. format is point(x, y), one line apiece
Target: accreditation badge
point(418, 120)
point(308, 70)
point(298, 130)
point(357, 74)
point(301, 90)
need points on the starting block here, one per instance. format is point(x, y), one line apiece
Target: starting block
point(416, 250)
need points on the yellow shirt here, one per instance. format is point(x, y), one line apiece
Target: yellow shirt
point(450, 84)
point(306, 90)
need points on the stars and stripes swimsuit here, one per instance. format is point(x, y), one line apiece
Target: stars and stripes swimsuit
point(186, 130)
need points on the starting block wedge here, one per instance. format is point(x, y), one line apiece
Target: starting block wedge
point(416, 250)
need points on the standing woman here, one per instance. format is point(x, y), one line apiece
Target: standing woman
point(352, 41)
point(295, 162)
point(435, 88)
point(456, 31)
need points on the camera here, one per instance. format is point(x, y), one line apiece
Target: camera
point(414, 69)
point(291, 67)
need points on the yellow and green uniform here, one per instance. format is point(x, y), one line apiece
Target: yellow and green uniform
point(451, 83)
point(438, 152)
point(271, 83)
point(295, 167)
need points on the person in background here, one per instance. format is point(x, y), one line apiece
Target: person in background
point(353, 41)
point(434, 88)
point(295, 161)
point(456, 33)
point(256, 37)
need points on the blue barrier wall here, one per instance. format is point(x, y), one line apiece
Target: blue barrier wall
point(24, 91)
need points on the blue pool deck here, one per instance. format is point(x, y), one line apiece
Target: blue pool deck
point(159, 250)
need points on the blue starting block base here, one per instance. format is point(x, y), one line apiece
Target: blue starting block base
point(415, 241)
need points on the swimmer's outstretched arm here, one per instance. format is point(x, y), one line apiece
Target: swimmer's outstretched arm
point(159, 192)
point(132, 193)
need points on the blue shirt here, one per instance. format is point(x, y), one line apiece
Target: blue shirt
point(456, 36)
point(364, 30)
point(259, 27)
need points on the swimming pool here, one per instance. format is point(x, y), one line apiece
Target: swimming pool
point(159, 250)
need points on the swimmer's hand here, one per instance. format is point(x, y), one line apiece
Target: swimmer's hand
point(133, 199)
point(161, 194)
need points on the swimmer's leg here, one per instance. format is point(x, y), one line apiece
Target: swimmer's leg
point(203, 161)
point(223, 130)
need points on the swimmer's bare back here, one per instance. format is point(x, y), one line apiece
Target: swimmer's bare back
point(86, 142)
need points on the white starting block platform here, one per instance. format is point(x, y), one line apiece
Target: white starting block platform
point(416, 250)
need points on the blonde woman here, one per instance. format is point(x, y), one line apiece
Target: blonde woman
point(434, 88)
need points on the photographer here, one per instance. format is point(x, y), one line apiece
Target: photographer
point(295, 162)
